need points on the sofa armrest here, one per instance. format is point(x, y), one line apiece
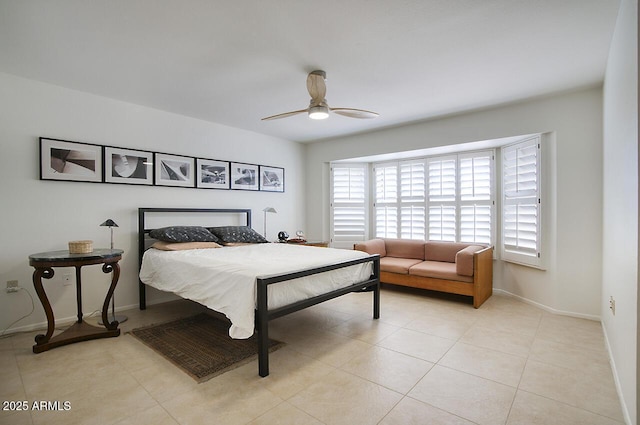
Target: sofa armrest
point(464, 260)
point(372, 246)
point(482, 276)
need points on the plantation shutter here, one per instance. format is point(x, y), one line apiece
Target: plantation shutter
point(521, 239)
point(441, 189)
point(476, 197)
point(444, 198)
point(386, 200)
point(412, 199)
point(348, 204)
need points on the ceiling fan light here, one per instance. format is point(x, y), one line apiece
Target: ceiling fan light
point(319, 112)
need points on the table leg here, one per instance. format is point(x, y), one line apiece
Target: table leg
point(114, 269)
point(79, 293)
point(38, 274)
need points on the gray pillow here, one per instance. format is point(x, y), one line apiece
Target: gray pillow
point(237, 234)
point(183, 234)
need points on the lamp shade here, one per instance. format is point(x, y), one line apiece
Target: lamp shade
point(270, 209)
point(109, 223)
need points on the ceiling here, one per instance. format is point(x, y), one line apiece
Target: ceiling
point(234, 62)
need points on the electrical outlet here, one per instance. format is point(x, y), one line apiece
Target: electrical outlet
point(13, 286)
point(612, 305)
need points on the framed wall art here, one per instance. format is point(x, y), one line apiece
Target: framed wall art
point(271, 179)
point(174, 170)
point(244, 176)
point(67, 160)
point(128, 166)
point(212, 174)
point(70, 161)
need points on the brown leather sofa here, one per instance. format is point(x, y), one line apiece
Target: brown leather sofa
point(456, 268)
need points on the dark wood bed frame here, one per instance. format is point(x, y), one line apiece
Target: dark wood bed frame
point(263, 314)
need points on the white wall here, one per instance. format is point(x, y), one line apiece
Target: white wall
point(573, 220)
point(44, 215)
point(620, 196)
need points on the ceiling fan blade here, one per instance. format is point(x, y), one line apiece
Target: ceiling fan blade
point(316, 86)
point(284, 115)
point(355, 113)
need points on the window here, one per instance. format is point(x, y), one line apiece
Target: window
point(477, 202)
point(348, 204)
point(447, 198)
point(521, 205)
point(412, 208)
point(442, 198)
point(386, 204)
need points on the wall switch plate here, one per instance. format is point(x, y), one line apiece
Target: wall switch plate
point(13, 286)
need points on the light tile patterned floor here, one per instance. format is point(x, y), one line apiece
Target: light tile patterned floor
point(428, 360)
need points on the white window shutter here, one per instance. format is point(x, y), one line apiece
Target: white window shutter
point(476, 177)
point(348, 204)
point(442, 223)
point(521, 218)
point(441, 194)
point(412, 181)
point(477, 197)
point(386, 200)
point(476, 223)
point(442, 179)
point(386, 183)
point(412, 222)
point(412, 200)
point(386, 222)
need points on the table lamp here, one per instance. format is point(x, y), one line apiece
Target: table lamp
point(111, 224)
point(267, 210)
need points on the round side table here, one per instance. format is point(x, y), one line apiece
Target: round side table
point(44, 263)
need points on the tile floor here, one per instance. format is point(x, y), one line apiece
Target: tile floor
point(428, 360)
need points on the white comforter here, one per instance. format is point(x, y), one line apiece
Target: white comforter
point(224, 279)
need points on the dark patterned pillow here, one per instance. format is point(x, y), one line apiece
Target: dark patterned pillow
point(237, 234)
point(183, 234)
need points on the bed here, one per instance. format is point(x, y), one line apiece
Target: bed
point(250, 284)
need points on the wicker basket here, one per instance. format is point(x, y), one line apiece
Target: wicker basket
point(80, 247)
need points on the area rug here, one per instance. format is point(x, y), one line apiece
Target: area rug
point(200, 345)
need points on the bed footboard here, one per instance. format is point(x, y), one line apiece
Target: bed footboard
point(263, 314)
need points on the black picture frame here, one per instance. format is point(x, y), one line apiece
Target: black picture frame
point(244, 176)
point(271, 179)
point(212, 174)
point(174, 170)
point(128, 166)
point(66, 160)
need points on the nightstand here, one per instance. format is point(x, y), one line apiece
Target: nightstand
point(321, 244)
point(44, 263)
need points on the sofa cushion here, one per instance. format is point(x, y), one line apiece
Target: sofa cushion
point(397, 265)
point(438, 270)
point(464, 260)
point(442, 251)
point(373, 246)
point(403, 248)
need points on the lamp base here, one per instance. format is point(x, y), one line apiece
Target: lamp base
point(111, 318)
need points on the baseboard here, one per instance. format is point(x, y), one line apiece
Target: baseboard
point(60, 322)
point(547, 308)
point(625, 410)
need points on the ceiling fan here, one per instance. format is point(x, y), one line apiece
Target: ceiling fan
point(318, 108)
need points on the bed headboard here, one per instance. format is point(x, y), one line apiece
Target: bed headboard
point(153, 218)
